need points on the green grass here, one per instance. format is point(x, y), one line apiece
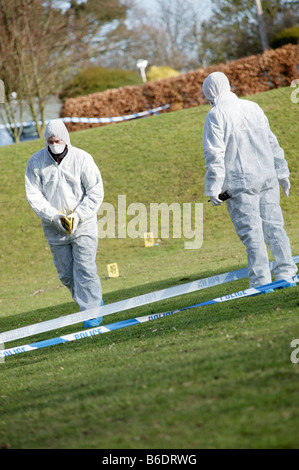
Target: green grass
point(213, 377)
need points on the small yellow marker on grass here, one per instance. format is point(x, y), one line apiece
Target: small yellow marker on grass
point(113, 270)
point(149, 239)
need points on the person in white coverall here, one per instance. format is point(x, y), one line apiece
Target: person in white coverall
point(62, 180)
point(243, 156)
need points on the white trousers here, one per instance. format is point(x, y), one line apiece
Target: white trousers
point(75, 262)
point(258, 220)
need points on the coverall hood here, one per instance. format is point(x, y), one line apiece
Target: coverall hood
point(215, 85)
point(57, 128)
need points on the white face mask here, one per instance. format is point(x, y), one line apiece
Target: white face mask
point(57, 148)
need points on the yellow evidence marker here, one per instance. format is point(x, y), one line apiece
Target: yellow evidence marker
point(149, 239)
point(113, 270)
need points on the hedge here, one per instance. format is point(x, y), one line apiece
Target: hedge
point(249, 75)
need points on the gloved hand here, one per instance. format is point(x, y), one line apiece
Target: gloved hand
point(76, 221)
point(215, 201)
point(286, 185)
point(57, 222)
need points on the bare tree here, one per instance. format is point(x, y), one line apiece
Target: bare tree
point(232, 31)
point(41, 45)
point(34, 52)
point(9, 72)
point(169, 36)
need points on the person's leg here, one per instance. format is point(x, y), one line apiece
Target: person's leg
point(244, 212)
point(63, 261)
point(87, 284)
point(275, 235)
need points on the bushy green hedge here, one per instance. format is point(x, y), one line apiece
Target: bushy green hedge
point(97, 79)
point(286, 36)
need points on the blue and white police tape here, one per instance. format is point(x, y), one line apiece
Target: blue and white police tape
point(122, 305)
point(115, 119)
point(135, 321)
point(92, 120)
point(126, 304)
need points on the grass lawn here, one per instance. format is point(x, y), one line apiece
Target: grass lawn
point(218, 376)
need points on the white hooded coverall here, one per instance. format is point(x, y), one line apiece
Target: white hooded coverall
point(242, 155)
point(74, 185)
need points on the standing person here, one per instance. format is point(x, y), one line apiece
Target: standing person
point(64, 181)
point(242, 156)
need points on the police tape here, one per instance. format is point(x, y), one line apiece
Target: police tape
point(122, 305)
point(126, 304)
point(92, 120)
point(138, 320)
point(115, 119)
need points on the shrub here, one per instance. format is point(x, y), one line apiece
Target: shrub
point(98, 79)
point(286, 36)
point(248, 76)
point(158, 73)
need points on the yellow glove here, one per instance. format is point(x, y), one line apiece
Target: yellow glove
point(75, 221)
point(57, 221)
point(70, 222)
point(67, 224)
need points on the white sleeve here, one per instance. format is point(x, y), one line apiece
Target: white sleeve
point(34, 194)
point(280, 163)
point(214, 152)
point(92, 183)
